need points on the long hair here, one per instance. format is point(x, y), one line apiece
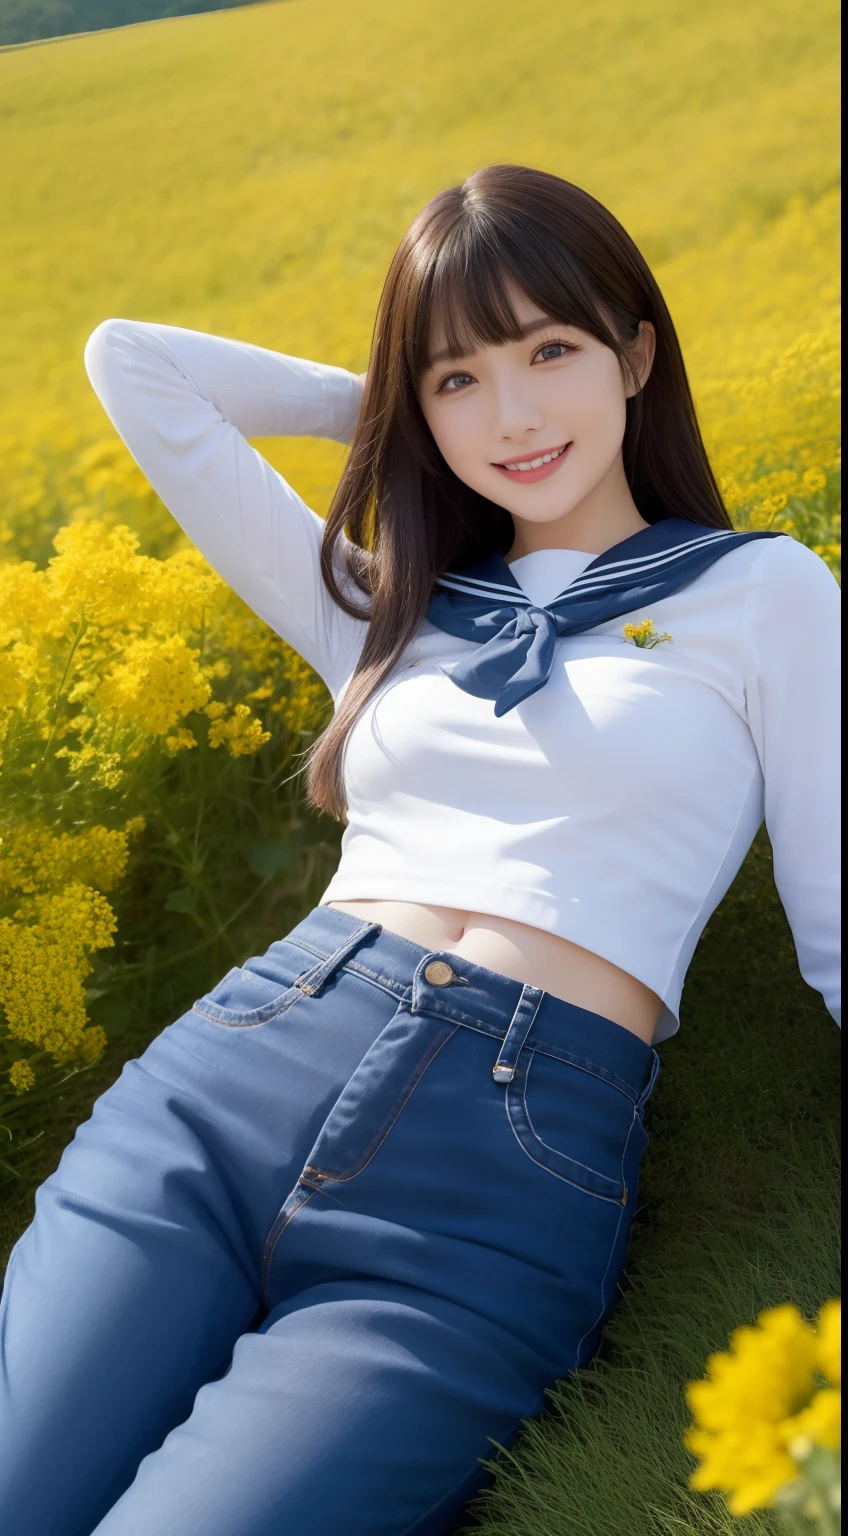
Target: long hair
point(400, 516)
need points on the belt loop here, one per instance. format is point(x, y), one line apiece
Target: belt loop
point(312, 981)
point(522, 1022)
point(649, 1086)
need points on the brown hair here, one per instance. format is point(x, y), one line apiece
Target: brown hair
point(407, 515)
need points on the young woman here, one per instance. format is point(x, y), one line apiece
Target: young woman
point(336, 1230)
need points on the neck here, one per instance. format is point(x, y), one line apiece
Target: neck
point(605, 517)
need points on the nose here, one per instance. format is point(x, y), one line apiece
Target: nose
point(515, 411)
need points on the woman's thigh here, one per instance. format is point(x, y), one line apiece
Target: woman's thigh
point(438, 1262)
point(433, 1239)
point(363, 1409)
point(142, 1265)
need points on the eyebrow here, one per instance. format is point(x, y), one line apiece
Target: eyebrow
point(448, 356)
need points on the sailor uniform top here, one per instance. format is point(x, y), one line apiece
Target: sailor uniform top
point(601, 783)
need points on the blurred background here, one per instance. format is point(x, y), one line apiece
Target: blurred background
point(250, 171)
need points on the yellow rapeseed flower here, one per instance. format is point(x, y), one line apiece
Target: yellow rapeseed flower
point(155, 684)
point(24, 601)
point(242, 733)
point(829, 1330)
point(819, 1424)
point(96, 577)
point(34, 858)
point(644, 634)
point(21, 1076)
point(44, 958)
point(759, 1399)
point(12, 681)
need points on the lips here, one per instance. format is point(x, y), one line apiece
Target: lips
point(538, 466)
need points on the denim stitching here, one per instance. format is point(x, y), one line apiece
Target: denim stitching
point(593, 1193)
point(581, 1062)
point(547, 1145)
point(250, 1018)
point(611, 1252)
point(403, 993)
point(596, 1194)
point(519, 1028)
point(320, 954)
point(647, 1091)
point(269, 1253)
point(405, 1095)
point(378, 980)
point(356, 966)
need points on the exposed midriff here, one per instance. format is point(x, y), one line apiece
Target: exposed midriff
point(513, 949)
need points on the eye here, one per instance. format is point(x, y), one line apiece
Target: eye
point(554, 350)
point(444, 386)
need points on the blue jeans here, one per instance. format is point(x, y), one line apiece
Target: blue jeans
point(319, 1250)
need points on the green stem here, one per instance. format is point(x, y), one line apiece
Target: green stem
point(60, 690)
point(186, 954)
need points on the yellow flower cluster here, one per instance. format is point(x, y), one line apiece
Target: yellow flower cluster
point(44, 963)
point(52, 885)
point(776, 1391)
point(759, 318)
point(34, 860)
point(98, 651)
point(239, 730)
point(644, 634)
point(108, 657)
point(21, 1076)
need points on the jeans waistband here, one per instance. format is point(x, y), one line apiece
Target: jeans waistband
point(439, 982)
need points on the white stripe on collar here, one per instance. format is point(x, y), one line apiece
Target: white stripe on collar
point(477, 581)
point(588, 580)
point(645, 563)
point(516, 597)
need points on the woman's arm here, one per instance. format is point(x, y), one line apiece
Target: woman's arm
point(793, 640)
point(184, 404)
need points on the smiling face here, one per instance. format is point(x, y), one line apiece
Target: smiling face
point(537, 426)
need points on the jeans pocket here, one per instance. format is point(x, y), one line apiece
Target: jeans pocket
point(574, 1123)
point(258, 991)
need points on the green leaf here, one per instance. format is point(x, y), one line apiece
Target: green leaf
point(181, 900)
point(272, 858)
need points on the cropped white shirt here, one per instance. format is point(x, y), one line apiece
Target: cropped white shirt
point(613, 807)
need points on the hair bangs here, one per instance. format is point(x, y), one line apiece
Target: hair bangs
point(465, 302)
point(466, 298)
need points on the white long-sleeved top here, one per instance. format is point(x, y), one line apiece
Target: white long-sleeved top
point(614, 806)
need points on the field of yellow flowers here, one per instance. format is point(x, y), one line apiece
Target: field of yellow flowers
point(250, 172)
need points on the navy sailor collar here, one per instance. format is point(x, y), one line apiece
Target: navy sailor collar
point(485, 602)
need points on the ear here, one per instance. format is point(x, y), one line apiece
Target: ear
point(641, 355)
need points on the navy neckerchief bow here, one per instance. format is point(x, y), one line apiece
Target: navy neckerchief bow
point(485, 602)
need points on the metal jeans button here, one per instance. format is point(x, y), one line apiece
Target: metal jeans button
point(438, 973)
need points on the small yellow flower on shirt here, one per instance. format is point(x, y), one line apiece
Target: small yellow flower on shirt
point(644, 635)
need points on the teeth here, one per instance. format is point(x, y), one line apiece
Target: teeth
point(535, 463)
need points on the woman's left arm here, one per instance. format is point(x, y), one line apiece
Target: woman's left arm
point(792, 639)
